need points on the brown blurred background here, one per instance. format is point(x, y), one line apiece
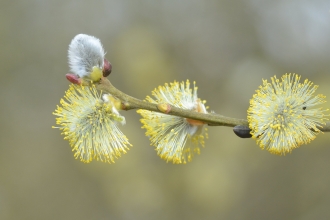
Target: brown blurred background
point(227, 47)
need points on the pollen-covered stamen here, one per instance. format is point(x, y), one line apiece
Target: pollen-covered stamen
point(281, 114)
point(90, 125)
point(176, 139)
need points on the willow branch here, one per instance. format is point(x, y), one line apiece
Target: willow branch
point(134, 103)
point(211, 119)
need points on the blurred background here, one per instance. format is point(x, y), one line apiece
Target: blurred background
point(227, 47)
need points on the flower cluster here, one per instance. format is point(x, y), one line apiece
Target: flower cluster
point(176, 139)
point(282, 114)
point(89, 121)
point(87, 118)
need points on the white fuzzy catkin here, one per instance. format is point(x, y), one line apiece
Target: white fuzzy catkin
point(85, 52)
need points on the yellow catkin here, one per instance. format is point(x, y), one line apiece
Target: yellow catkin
point(176, 139)
point(90, 125)
point(282, 116)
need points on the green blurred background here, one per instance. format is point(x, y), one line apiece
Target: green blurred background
point(226, 46)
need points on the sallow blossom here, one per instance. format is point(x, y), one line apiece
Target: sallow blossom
point(89, 122)
point(282, 114)
point(176, 139)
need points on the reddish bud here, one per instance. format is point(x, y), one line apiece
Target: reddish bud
point(107, 68)
point(73, 78)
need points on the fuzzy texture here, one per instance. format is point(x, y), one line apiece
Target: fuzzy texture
point(90, 125)
point(282, 114)
point(86, 56)
point(176, 139)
